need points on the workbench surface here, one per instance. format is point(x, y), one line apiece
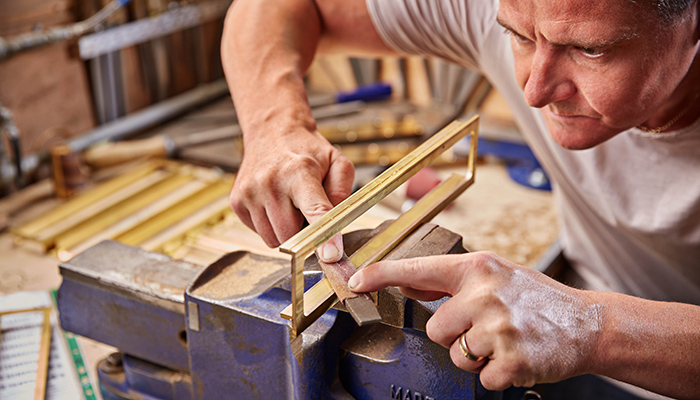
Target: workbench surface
point(495, 214)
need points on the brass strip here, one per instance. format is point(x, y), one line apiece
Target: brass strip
point(347, 211)
point(176, 213)
point(321, 294)
point(214, 211)
point(119, 211)
point(306, 310)
point(26, 310)
point(84, 200)
point(144, 214)
point(42, 369)
point(47, 237)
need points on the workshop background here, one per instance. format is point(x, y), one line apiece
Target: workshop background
point(117, 124)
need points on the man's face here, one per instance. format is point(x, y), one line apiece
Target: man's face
point(595, 67)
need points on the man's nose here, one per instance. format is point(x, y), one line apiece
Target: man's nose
point(547, 81)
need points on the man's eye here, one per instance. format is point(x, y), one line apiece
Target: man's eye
point(517, 36)
point(592, 51)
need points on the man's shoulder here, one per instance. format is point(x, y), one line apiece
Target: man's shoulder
point(451, 29)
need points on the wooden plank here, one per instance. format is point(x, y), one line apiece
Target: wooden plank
point(390, 72)
point(182, 62)
point(137, 94)
point(210, 47)
point(418, 82)
point(332, 73)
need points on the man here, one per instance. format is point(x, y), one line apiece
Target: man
point(607, 94)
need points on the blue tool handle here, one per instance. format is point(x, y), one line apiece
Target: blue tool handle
point(373, 92)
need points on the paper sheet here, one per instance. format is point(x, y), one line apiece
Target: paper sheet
point(19, 351)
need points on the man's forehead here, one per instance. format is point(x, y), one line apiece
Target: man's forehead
point(596, 19)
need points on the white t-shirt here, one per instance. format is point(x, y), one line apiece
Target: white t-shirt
point(630, 207)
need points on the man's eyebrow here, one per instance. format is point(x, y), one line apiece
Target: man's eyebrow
point(575, 42)
point(506, 26)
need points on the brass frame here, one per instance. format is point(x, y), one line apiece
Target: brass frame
point(42, 367)
point(308, 307)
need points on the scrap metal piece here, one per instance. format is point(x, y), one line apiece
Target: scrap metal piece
point(363, 310)
point(305, 310)
point(360, 305)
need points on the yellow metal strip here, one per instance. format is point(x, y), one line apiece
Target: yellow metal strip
point(47, 237)
point(179, 211)
point(140, 216)
point(84, 200)
point(119, 211)
point(174, 236)
point(301, 245)
point(42, 369)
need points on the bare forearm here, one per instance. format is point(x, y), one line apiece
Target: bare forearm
point(650, 344)
point(267, 47)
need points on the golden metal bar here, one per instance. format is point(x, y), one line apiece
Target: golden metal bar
point(46, 238)
point(141, 216)
point(87, 198)
point(119, 212)
point(176, 213)
point(214, 211)
point(26, 310)
point(304, 312)
point(42, 370)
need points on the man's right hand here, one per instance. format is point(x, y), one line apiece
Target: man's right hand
point(289, 170)
point(286, 178)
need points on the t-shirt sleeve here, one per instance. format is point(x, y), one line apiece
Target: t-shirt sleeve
point(450, 29)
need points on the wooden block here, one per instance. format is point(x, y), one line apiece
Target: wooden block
point(390, 72)
point(496, 108)
point(418, 82)
point(181, 56)
point(332, 73)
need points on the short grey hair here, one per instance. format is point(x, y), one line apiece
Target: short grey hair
point(671, 10)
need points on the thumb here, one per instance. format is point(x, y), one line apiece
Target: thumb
point(313, 204)
point(337, 186)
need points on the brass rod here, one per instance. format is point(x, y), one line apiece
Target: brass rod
point(176, 213)
point(91, 196)
point(176, 233)
point(47, 237)
point(42, 370)
point(347, 211)
point(141, 216)
point(120, 211)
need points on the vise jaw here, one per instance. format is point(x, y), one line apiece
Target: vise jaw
point(187, 332)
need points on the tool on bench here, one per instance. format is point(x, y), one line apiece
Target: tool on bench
point(107, 154)
point(186, 332)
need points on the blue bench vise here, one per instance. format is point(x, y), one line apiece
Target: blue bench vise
point(189, 332)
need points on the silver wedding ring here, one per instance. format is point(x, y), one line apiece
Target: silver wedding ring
point(465, 349)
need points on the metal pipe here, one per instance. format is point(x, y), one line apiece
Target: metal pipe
point(151, 116)
point(139, 121)
point(27, 41)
